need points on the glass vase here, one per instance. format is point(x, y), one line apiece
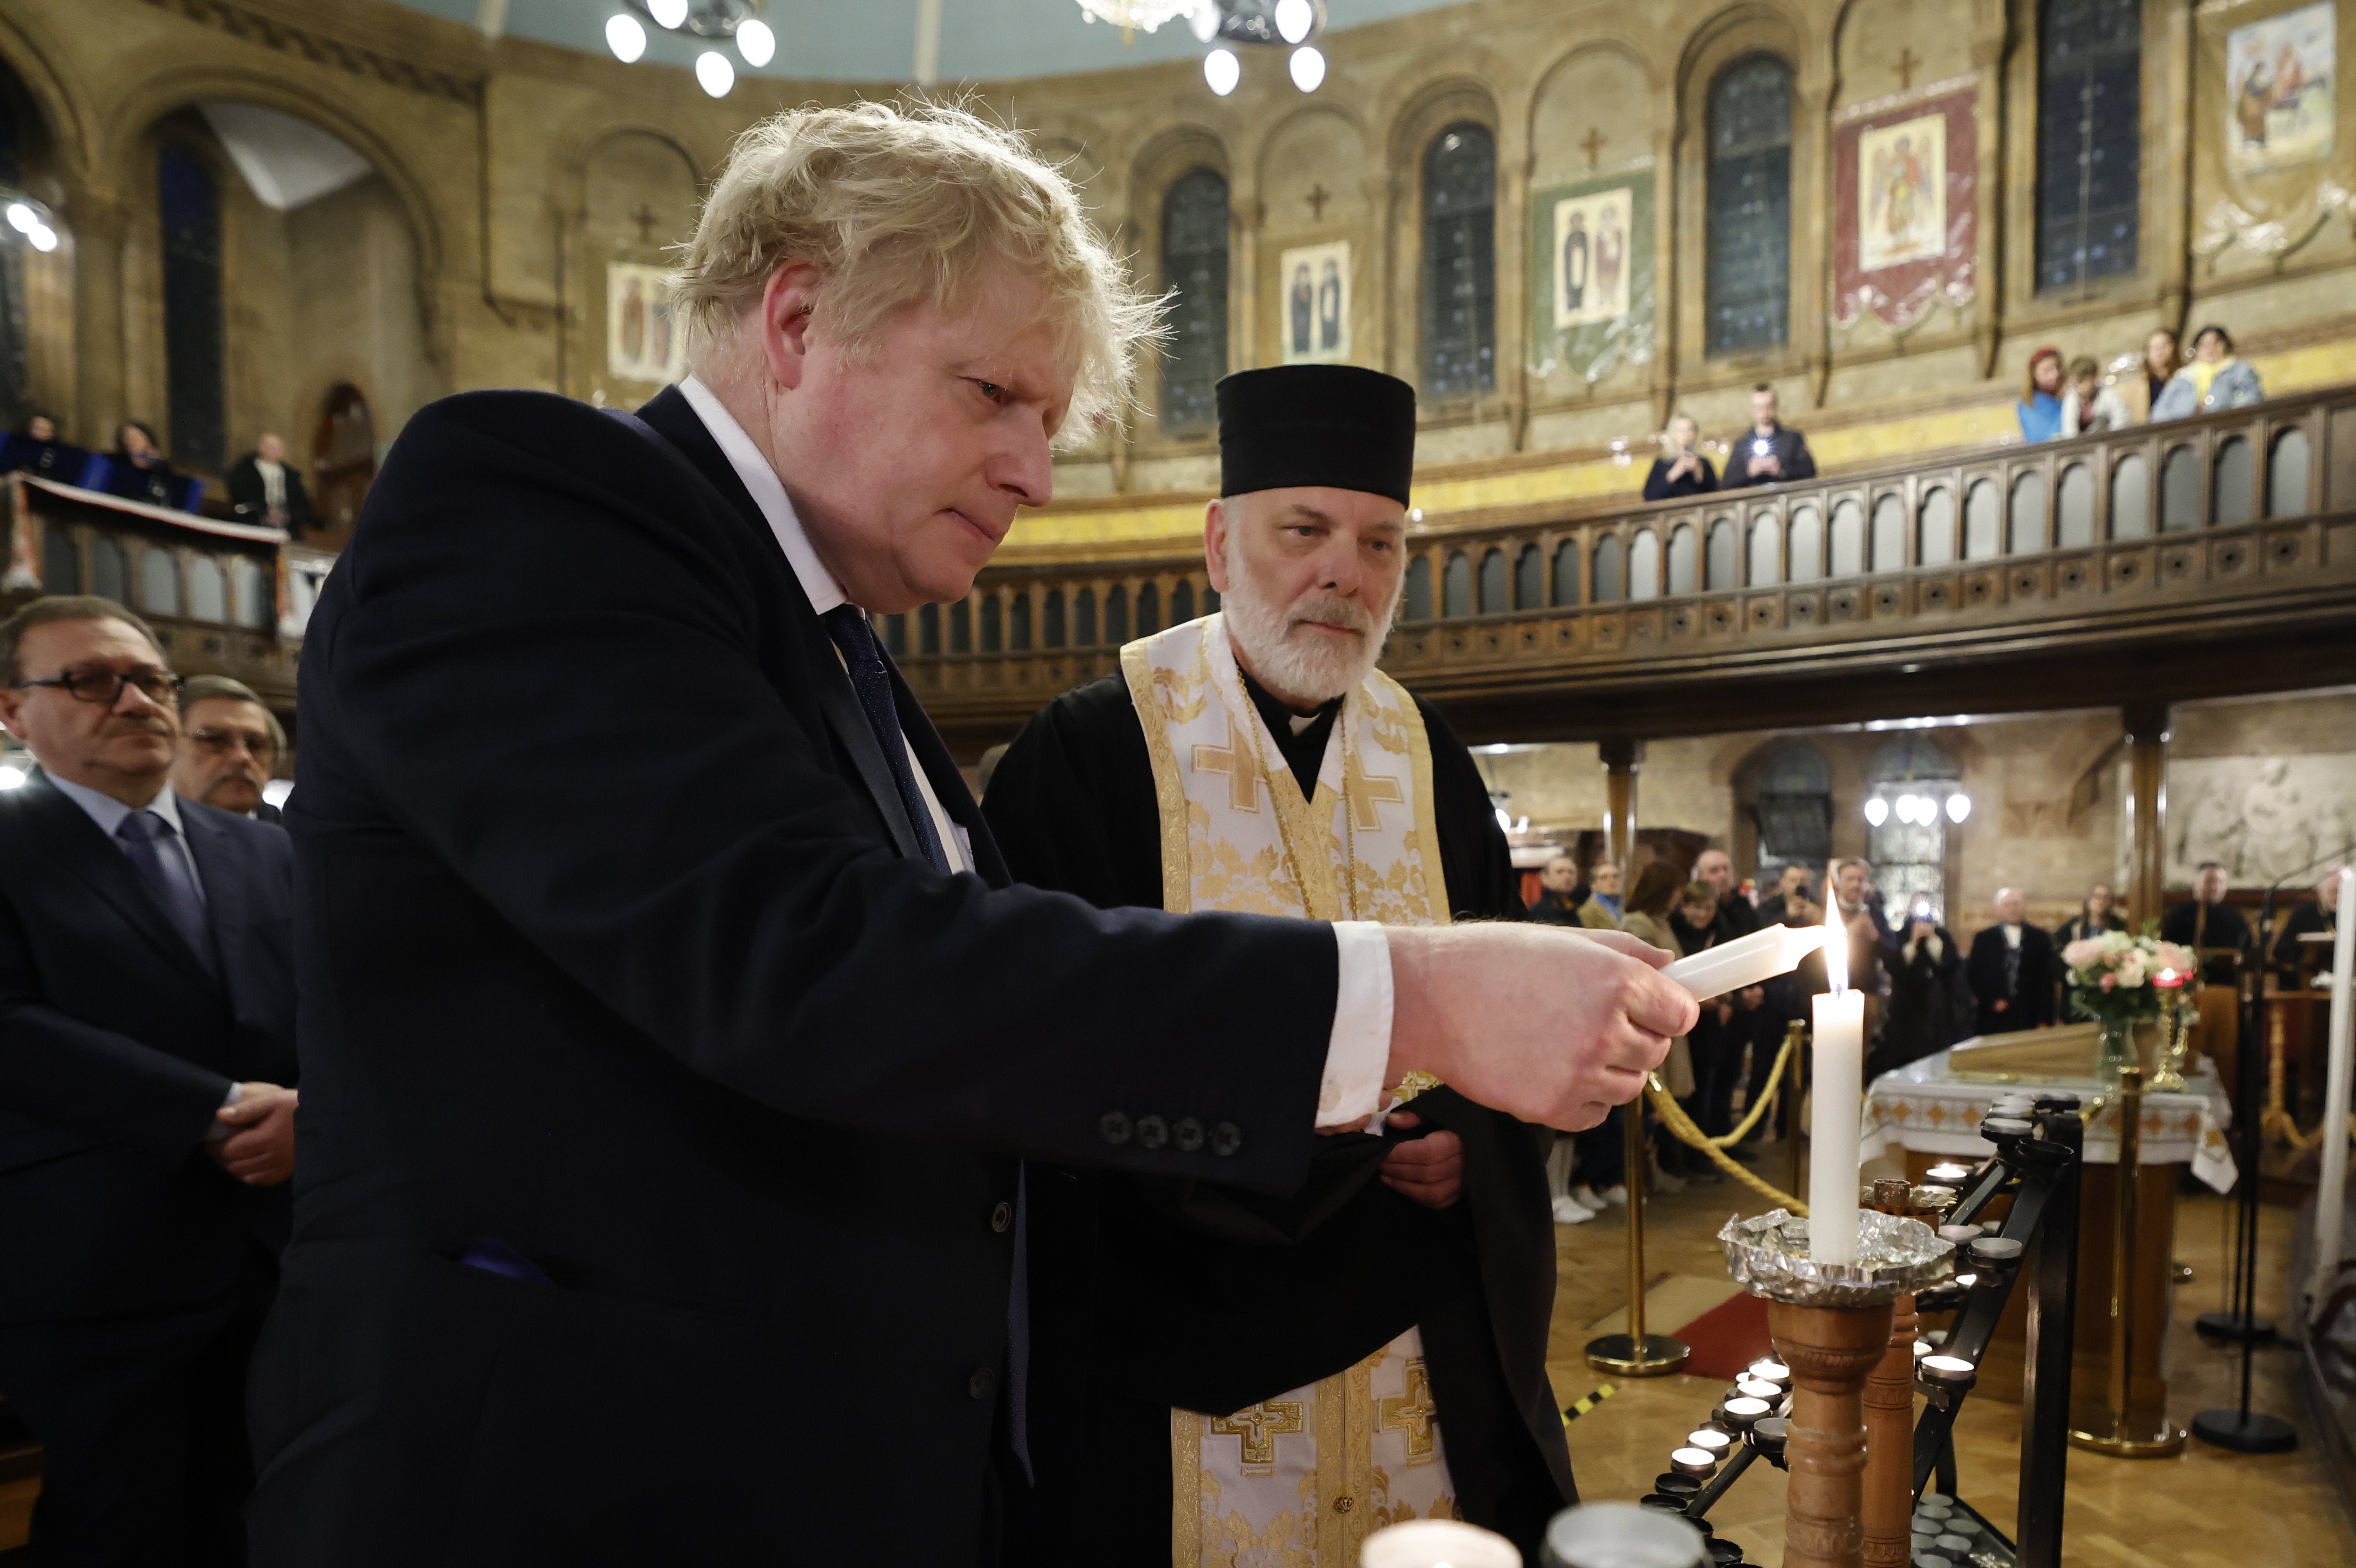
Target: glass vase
point(2116, 1050)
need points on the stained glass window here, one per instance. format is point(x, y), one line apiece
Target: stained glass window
point(1195, 269)
point(1750, 200)
point(190, 207)
point(2089, 140)
point(1460, 262)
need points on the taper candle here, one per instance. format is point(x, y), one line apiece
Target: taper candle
point(1836, 1089)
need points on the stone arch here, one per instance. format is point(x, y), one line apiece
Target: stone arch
point(68, 115)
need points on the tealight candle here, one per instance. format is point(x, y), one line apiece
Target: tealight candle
point(1744, 1413)
point(1950, 1172)
point(1758, 1388)
point(1955, 1546)
point(1770, 1371)
point(1951, 1370)
point(1696, 1462)
point(1709, 1441)
point(1959, 1235)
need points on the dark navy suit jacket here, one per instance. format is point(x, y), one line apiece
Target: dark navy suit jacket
point(618, 962)
point(117, 1044)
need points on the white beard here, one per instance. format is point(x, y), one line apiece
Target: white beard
point(1284, 655)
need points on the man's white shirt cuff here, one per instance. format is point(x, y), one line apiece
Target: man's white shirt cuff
point(1360, 1051)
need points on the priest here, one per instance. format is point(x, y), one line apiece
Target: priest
point(1215, 1370)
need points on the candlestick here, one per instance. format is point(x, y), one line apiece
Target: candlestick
point(1746, 961)
point(1838, 1088)
point(2330, 1190)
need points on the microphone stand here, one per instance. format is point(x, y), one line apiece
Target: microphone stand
point(2239, 1427)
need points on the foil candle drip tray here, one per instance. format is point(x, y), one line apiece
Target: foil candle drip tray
point(1769, 1257)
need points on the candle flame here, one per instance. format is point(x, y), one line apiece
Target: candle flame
point(1836, 944)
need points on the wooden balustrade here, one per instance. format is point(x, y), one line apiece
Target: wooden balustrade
point(2251, 512)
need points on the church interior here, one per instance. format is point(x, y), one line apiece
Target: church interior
point(2054, 620)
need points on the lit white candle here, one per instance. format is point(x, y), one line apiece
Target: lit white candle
point(2331, 1188)
point(1747, 960)
point(1838, 1087)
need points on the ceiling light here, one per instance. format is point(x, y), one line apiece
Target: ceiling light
point(1308, 67)
point(755, 42)
point(667, 13)
point(43, 237)
point(1877, 811)
point(23, 219)
point(625, 37)
point(1222, 71)
point(1959, 805)
point(713, 69)
point(1204, 20)
point(1293, 19)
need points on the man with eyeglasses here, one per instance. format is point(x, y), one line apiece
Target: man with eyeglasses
point(232, 744)
point(146, 1107)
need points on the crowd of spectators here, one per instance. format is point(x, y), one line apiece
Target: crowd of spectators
point(1924, 990)
point(263, 488)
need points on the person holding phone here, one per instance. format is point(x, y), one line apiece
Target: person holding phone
point(1770, 452)
point(1928, 1010)
point(1679, 470)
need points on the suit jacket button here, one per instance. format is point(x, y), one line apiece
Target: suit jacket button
point(1114, 1126)
point(980, 1384)
point(1153, 1132)
point(1190, 1134)
point(1002, 1217)
point(1226, 1138)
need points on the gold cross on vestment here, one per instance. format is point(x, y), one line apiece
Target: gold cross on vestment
point(1317, 197)
point(1411, 1412)
point(645, 219)
point(1364, 793)
point(1243, 785)
point(1907, 61)
point(1593, 142)
point(1259, 1425)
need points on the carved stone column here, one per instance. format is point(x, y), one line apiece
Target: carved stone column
point(100, 226)
point(2147, 803)
point(1831, 1351)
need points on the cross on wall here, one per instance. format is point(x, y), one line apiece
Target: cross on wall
point(646, 219)
point(1317, 197)
point(1905, 65)
point(1593, 142)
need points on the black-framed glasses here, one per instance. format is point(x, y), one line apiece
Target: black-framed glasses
point(106, 686)
point(219, 740)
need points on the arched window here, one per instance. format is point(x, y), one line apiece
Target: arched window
point(1795, 812)
point(2089, 140)
point(1460, 262)
point(1645, 565)
point(1749, 202)
point(208, 590)
point(1682, 548)
point(1418, 606)
point(1565, 573)
point(1456, 588)
point(257, 604)
point(159, 581)
point(60, 561)
point(1195, 270)
point(1611, 583)
point(1909, 849)
point(189, 204)
point(1529, 579)
point(1720, 562)
point(1493, 582)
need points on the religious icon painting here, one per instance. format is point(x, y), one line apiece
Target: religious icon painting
point(2280, 89)
point(1901, 212)
point(642, 340)
point(1315, 301)
point(1591, 240)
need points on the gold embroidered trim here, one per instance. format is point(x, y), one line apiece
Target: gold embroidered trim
point(1169, 784)
point(1185, 1489)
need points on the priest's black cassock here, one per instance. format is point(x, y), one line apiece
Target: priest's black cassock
point(1150, 1293)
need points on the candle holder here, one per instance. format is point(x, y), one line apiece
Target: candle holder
point(1831, 1324)
point(2174, 1040)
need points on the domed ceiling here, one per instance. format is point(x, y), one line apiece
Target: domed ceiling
point(875, 40)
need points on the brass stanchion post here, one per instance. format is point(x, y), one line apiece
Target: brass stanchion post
point(1795, 1034)
point(2121, 1434)
point(1636, 1354)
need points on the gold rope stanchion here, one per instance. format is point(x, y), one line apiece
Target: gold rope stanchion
point(1674, 1117)
point(1793, 1033)
point(1636, 1354)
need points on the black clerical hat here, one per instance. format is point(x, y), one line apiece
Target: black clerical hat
point(1337, 425)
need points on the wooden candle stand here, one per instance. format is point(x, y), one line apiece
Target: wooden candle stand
point(1831, 1351)
point(1889, 1497)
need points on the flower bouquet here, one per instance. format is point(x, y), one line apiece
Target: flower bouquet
point(2121, 981)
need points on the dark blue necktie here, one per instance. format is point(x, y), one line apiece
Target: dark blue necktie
point(847, 625)
point(166, 876)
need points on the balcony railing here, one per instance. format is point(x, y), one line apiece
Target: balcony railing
point(2244, 513)
point(226, 598)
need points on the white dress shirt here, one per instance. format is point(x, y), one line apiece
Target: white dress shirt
point(1358, 1051)
point(273, 481)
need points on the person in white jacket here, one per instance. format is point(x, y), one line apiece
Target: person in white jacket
point(2091, 404)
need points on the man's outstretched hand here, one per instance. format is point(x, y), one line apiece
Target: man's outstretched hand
point(1548, 1024)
